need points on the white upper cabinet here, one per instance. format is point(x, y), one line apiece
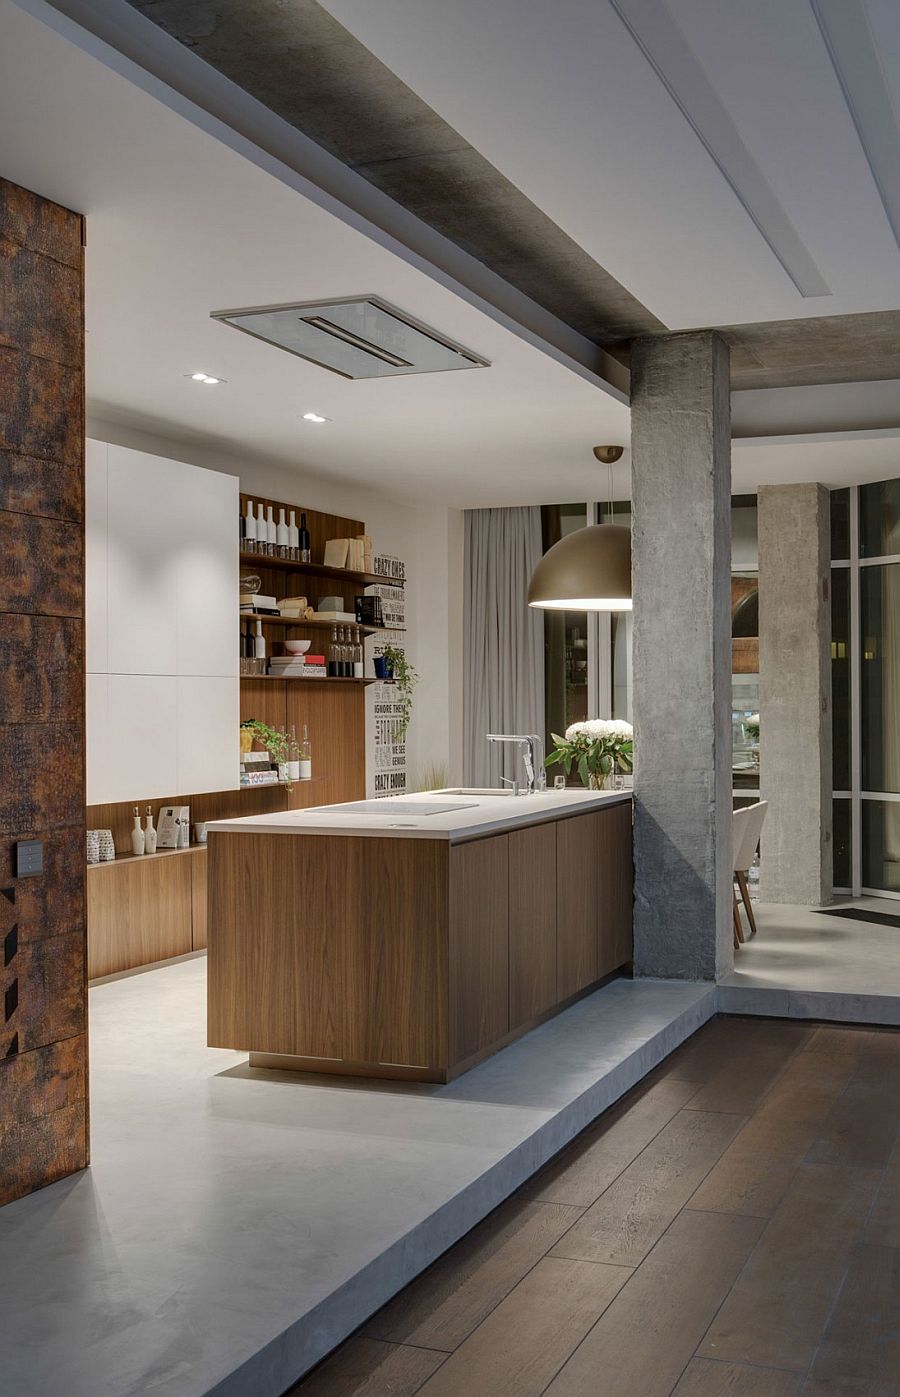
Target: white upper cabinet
point(163, 697)
point(207, 573)
point(143, 547)
point(95, 557)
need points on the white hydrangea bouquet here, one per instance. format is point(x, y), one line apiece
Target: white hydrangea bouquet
point(596, 749)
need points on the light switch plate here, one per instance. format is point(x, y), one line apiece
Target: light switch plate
point(29, 858)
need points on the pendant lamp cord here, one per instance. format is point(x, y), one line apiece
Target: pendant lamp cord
point(610, 482)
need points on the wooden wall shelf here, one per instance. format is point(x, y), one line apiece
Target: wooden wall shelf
point(364, 579)
point(148, 858)
point(318, 625)
point(296, 678)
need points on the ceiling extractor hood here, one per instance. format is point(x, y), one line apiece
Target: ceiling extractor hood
point(358, 337)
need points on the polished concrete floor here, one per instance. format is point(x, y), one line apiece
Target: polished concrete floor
point(730, 1229)
point(235, 1224)
point(802, 964)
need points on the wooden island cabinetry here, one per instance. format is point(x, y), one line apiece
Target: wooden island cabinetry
point(381, 952)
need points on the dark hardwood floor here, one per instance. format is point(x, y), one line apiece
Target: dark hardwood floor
point(730, 1229)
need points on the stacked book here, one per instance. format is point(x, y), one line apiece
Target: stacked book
point(256, 601)
point(298, 667)
point(257, 769)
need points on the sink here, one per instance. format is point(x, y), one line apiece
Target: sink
point(483, 791)
point(475, 791)
point(396, 806)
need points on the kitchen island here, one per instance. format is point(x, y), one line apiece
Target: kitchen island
point(412, 936)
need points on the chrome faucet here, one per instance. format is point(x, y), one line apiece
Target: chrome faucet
point(532, 758)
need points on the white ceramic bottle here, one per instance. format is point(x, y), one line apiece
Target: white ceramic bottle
point(271, 532)
point(249, 529)
point(281, 535)
point(259, 643)
point(149, 832)
point(293, 538)
point(137, 834)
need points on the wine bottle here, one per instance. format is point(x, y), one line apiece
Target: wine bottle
point(358, 661)
point(261, 534)
point(305, 556)
point(293, 538)
point(294, 756)
point(305, 756)
point(271, 533)
point(249, 529)
point(333, 657)
point(281, 535)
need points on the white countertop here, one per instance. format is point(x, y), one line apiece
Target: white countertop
point(471, 814)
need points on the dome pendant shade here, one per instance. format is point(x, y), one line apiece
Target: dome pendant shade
point(589, 570)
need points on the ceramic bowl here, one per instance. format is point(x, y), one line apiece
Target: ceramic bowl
point(297, 647)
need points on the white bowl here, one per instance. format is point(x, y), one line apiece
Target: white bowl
point(297, 647)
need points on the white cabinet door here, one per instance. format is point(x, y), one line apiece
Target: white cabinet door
point(139, 762)
point(97, 729)
point(95, 555)
point(143, 526)
point(208, 733)
point(207, 630)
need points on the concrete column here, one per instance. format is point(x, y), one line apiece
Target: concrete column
point(681, 493)
point(795, 692)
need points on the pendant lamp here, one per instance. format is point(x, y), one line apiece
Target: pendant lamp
point(589, 570)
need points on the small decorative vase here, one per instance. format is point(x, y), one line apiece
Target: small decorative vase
point(137, 834)
point(107, 845)
point(93, 846)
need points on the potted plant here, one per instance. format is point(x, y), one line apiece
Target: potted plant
point(398, 668)
point(597, 749)
point(276, 743)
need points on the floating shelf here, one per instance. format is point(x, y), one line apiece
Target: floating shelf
point(318, 625)
point(160, 854)
point(298, 679)
point(365, 579)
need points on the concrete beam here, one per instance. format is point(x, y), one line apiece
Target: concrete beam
point(795, 693)
point(681, 492)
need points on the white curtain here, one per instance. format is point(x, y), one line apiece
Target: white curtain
point(503, 654)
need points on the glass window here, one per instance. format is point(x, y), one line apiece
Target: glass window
point(565, 637)
point(881, 845)
point(879, 519)
point(840, 524)
point(879, 642)
point(843, 877)
point(840, 677)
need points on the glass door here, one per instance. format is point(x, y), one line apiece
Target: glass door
point(866, 687)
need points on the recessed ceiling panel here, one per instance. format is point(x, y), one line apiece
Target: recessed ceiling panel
point(359, 338)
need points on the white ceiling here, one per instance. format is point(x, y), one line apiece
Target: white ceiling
point(179, 225)
point(594, 127)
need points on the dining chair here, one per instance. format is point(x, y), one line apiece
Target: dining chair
point(745, 852)
point(738, 833)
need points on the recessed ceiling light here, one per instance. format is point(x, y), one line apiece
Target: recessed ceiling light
point(314, 417)
point(204, 378)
